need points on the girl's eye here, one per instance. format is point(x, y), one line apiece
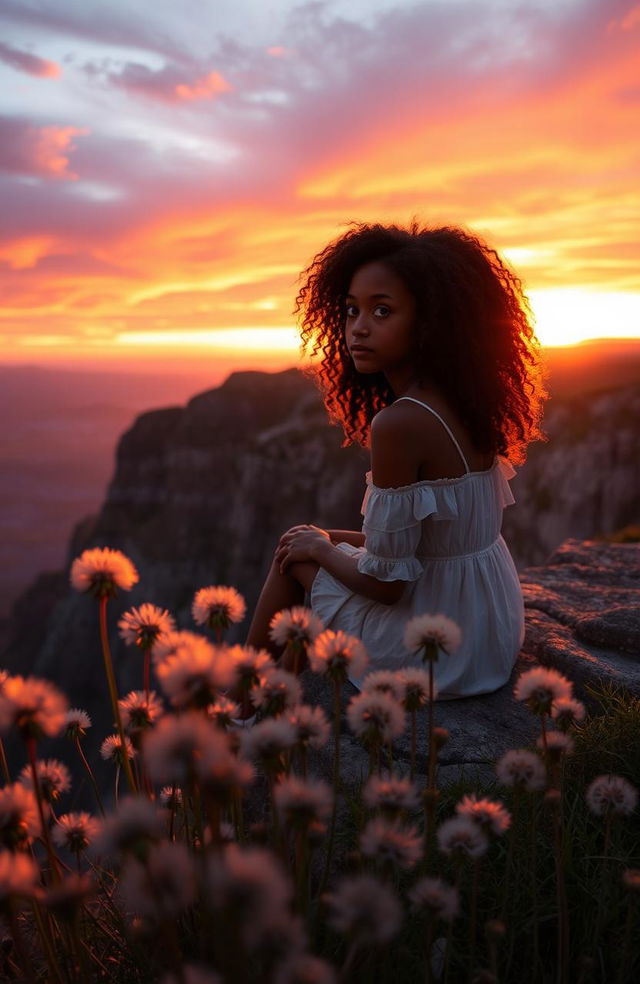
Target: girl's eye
point(381, 311)
point(352, 311)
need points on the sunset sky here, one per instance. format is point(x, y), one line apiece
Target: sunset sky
point(167, 169)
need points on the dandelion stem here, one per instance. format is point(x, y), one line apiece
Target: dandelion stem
point(45, 936)
point(23, 953)
point(337, 712)
point(473, 920)
point(5, 765)
point(147, 673)
point(113, 691)
point(91, 775)
point(37, 788)
point(563, 915)
point(412, 768)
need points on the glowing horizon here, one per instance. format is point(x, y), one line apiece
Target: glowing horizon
point(163, 188)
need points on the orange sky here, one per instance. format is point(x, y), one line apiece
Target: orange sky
point(164, 178)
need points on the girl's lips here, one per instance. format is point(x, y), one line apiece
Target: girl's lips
point(359, 349)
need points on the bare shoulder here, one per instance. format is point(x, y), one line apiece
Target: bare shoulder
point(405, 422)
point(395, 457)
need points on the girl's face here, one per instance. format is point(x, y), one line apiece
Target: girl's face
point(380, 319)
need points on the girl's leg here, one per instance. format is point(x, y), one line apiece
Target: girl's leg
point(279, 591)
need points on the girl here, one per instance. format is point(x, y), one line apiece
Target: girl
point(426, 355)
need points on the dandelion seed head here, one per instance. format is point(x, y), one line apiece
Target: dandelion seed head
point(171, 796)
point(34, 706)
point(304, 968)
point(172, 750)
point(566, 711)
point(223, 712)
point(164, 886)
point(364, 909)
point(430, 633)
point(218, 606)
point(171, 643)
point(19, 875)
point(492, 815)
point(144, 626)
point(520, 767)
point(102, 572)
point(53, 776)
point(139, 712)
point(540, 687)
point(19, 817)
point(76, 831)
point(267, 740)
point(435, 894)
point(558, 743)
point(375, 718)
point(416, 688)
point(195, 674)
point(384, 682)
point(250, 888)
point(393, 842)
point(276, 691)
point(135, 824)
point(461, 835)
point(77, 722)
point(336, 655)
point(390, 794)
point(611, 794)
point(249, 664)
point(297, 625)
point(111, 749)
point(311, 725)
point(302, 802)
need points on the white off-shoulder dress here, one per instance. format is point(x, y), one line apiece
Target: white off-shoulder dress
point(443, 538)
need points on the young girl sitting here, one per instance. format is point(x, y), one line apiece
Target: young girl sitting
point(425, 354)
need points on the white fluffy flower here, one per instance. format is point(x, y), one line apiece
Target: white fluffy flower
point(558, 743)
point(311, 725)
point(384, 682)
point(390, 794)
point(102, 571)
point(375, 718)
point(135, 823)
point(76, 831)
point(417, 688)
point(565, 711)
point(249, 664)
point(53, 776)
point(303, 802)
point(430, 633)
point(520, 767)
point(164, 886)
point(434, 894)
point(143, 626)
point(391, 842)
point(276, 691)
point(19, 875)
point(218, 606)
point(297, 625)
point(77, 722)
point(365, 909)
point(111, 749)
point(250, 890)
point(195, 673)
point(139, 712)
point(268, 740)
point(336, 655)
point(613, 794)
point(19, 817)
point(174, 749)
point(540, 687)
point(461, 835)
point(492, 815)
point(34, 706)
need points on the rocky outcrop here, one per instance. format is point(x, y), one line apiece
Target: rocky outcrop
point(200, 494)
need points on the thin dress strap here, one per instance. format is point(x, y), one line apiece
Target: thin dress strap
point(444, 424)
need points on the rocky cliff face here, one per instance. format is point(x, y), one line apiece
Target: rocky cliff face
point(201, 493)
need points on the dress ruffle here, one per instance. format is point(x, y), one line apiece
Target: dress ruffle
point(390, 569)
point(394, 509)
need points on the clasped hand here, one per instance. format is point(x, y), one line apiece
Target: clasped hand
point(299, 545)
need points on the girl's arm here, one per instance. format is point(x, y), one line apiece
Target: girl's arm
point(347, 536)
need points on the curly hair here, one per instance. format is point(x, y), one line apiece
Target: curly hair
point(474, 335)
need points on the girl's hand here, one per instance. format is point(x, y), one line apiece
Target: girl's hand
point(300, 544)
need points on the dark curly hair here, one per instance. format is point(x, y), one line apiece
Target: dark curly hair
point(474, 334)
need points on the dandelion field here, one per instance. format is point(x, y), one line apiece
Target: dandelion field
point(225, 853)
